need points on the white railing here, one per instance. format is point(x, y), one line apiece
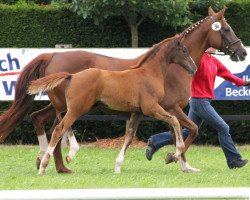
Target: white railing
point(128, 193)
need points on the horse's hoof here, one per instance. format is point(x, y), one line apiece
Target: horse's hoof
point(64, 170)
point(117, 169)
point(191, 170)
point(68, 159)
point(170, 158)
point(41, 171)
point(38, 162)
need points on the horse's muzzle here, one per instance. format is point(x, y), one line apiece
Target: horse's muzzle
point(238, 55)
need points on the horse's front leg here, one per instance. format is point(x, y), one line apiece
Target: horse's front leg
point(131, 128)
point(158, 112)
point(193, 132)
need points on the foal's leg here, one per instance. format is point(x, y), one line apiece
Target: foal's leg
point(158, 112)
point(60, 168)
point(62, 127)
point(74, 147)
point(193, 132)
point(131, 128)
point(39, 119)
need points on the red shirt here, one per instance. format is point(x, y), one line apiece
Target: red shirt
point(204, 78)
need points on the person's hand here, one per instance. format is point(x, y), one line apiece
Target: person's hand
point(247, 83)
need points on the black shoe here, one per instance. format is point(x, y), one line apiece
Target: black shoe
point(237, 163)
point(150, 150)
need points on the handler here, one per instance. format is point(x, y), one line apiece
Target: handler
point(202, 92)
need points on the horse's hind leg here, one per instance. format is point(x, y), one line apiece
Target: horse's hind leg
point(62, 127)
point(131, 129)
point(74, 147)
point(39, 119)
point(60, 167)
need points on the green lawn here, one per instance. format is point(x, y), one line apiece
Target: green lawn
point(94, 168)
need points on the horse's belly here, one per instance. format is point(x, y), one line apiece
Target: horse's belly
point(120, 105)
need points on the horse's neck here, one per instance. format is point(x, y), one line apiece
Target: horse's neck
point(158, 64)
point(197, 41)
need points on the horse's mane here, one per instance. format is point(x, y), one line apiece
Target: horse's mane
point(194, 26)
point(152, 51)
point(155, 48)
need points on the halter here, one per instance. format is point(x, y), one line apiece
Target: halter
point(226, 44)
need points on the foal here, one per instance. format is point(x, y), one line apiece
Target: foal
point(136, 90)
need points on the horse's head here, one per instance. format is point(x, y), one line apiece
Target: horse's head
point(222, 36)
point(180, 55)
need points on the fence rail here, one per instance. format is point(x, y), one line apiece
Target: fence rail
point(128, 193)
point(122, 118)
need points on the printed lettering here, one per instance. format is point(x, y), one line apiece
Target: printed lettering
point(246, 78)
point(11, 60)
point(12, 63)
point(9, 88)
point(1, 67)
point(228, 92)
point(238, 92)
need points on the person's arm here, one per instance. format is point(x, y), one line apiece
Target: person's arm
point(223, 72)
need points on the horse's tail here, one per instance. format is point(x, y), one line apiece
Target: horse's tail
point(47, 83)
point(22, 101)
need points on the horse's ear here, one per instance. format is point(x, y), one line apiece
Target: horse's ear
point(210, 11)
point(221, 13)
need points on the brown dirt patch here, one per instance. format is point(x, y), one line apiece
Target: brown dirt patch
point(115, 143)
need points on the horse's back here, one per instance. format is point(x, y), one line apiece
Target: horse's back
point(76, 61)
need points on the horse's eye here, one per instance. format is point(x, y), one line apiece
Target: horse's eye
point(227, 29)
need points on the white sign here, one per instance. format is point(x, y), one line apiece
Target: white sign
point(13, 60)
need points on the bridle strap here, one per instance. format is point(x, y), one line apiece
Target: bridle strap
point(226, 44)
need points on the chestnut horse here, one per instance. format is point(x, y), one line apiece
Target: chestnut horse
point(197, 38)
point(136, 90)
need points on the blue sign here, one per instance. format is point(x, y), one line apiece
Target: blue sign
point(229, 91)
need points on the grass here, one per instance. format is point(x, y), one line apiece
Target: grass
point(94, 168)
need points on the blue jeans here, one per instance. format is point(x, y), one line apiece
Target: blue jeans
point(202, 110)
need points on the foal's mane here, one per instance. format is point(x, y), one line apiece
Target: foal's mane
point(152, 51)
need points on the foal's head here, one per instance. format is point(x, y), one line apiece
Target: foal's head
point(171, 51)
point(179, 54)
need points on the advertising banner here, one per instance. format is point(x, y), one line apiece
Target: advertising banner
point(13, 60)
point(225, 90)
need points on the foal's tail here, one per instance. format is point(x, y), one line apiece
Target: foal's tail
point(47, 83)
point(22, 101)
